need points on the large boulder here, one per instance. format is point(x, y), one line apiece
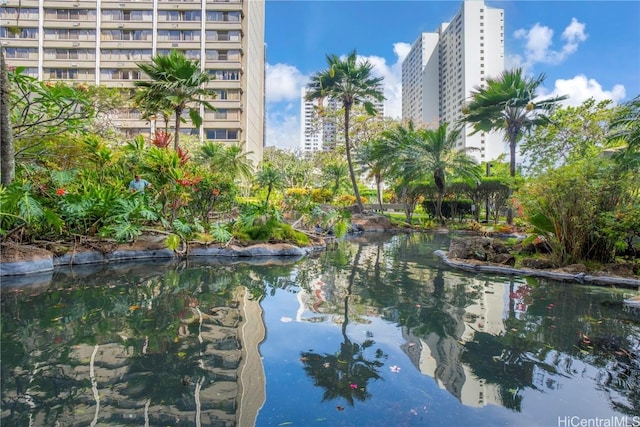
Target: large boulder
point(481, 249)
point(369, 221)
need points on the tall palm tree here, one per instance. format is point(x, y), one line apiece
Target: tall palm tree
point(509, 103)
point(7, 150)
point(424, 152)
point(625, 127)
point(349, 82)
point(176, 83)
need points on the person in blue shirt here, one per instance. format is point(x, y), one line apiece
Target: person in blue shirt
point(138, 184)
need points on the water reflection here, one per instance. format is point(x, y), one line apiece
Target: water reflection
point(372, 332)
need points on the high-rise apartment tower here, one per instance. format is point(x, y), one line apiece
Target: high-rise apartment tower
point(442, 68)
point(101, 41)
point(319, 133)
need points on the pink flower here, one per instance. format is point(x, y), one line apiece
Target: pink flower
point(353, 386)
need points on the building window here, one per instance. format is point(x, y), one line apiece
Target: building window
point(141, 35)
point(62, 73)
point(222, 134)
point(225, 74)
point(20, 33)
point(19, 13)
point(223, 36)
point(21, 52)
point(116, 74)
point(127, 15)
point(223, 16)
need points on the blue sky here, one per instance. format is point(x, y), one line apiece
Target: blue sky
point(585, 48)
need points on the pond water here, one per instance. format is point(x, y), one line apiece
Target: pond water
point(373, 332)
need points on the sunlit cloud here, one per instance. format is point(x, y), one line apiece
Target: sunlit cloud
point(283, 82)
point(538, 45)
point(580, 88)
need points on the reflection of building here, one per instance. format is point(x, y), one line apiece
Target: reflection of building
point(439, 356)
point(120, 382)
point(101, 42)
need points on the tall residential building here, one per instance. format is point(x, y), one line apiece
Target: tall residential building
point(316, 133)
point(443, 67)
point(319, 133)
point(101, 41)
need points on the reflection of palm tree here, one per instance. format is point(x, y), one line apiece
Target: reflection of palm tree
point(347, 373)
point(511, 368)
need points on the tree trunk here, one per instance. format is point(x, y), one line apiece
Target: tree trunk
point(348, 149)
point(379, 189)
point(513, 140)
point(176, 137)
point(7, 150)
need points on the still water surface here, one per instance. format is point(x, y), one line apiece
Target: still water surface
point(374, 332)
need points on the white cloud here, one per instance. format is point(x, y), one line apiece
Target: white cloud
point(283, 125)
point(580, 88)
point(283, 82)
point(539, 40)
point(392, 82)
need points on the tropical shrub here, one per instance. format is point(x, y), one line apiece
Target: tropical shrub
point(585, 211)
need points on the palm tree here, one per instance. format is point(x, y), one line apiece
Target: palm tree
point(625, 127)
point(374, 158)
point(230, 160)
point(335, 174)
point(7, 150)
point(177, 83)
point(349, 82)
point(271, 178)
point(509, 103)
point(431, 151)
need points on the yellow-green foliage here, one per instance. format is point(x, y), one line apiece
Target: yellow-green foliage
point(203, 238)
point(296, 192)
point(345, 200)
point(321, 195)
point(273, 231)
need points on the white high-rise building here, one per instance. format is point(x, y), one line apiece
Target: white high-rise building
point(443, 68)
point(316, 133)
point(101, 41)
point(319, 133)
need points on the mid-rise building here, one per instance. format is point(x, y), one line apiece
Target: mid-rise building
point(101, 42)
point(443, 67)
point(321, 131)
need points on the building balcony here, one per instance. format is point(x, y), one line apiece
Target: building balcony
point(23, 62)
point(178, 44)
point(125, 44)
point(26, 43)
point(21, 3)
point(62, 43)
point(68, 24)
point(66, 63)
point(126, 25)
point(179, 25)
point(21, 22)
point(223, 25)
point(123, 4)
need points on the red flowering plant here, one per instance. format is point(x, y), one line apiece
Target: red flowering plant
point(161, 139)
